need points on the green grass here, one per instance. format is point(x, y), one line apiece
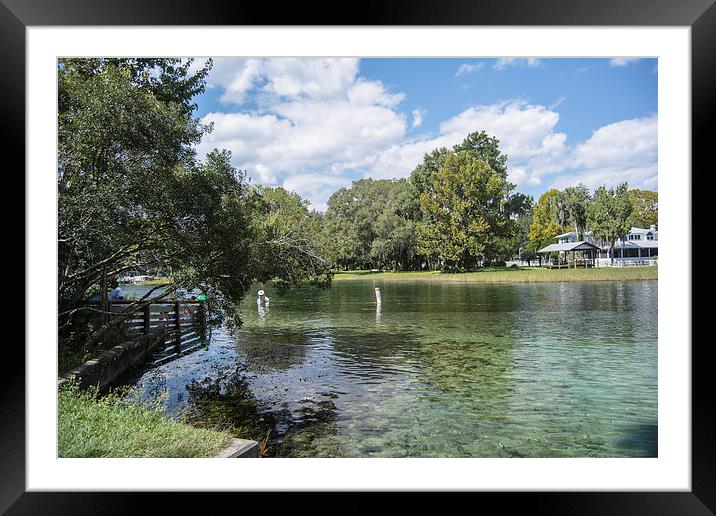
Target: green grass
point(509, 275)
point(162, 280)
point(108, 426)
point(68, 359)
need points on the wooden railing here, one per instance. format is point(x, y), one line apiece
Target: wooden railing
point(181, 322)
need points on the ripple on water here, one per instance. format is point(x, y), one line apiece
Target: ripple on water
point(453, 370)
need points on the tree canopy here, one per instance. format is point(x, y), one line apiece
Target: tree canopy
point(462, 211)
point(610, 214)
point(132, 194)
point(645, 205)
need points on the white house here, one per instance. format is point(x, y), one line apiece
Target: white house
point(640, 247)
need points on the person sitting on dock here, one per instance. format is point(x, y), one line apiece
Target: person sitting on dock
point(116, 294)
point(263, 299)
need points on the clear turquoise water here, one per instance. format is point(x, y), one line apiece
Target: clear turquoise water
point(439, 370)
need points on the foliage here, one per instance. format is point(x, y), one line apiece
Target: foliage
point(576, 200)
point(610, 214)
point(462, 214)
point(477, 144)
point(545, 220)
point(645, 205)
point(287, 240)
point(133, 195)
point(368, 225)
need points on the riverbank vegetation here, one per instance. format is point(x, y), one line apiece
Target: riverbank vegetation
point(111, 426)
point(458, 211)
point(509, 275)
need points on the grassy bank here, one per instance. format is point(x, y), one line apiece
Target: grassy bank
point(89, 426)
point(510, 275)
point(161, 280)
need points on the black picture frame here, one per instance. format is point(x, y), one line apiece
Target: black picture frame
point(699, 15)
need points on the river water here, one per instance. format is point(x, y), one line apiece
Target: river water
point(437, 370)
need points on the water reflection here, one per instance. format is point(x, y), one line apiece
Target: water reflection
point(441, 370)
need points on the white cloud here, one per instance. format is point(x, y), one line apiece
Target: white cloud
point(284, 77)
point(317, 188)
point(622, 61)
point(520, 176)
point(315, 78)
point(615, 153)
point(466, 69)
point(242, 82)
point(538, 153)
point(526, 133)
point(314, 118)
point(520, 127)
point(313, 124)
point(505, 62)
point(365, 93)
point(622, 143)
point(418, 115)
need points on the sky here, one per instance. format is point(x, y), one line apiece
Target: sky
point(314, 125)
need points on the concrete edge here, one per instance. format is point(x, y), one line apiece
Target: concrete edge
point(240, 449)
point(109, 364)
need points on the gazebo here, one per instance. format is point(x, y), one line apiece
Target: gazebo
point(574, 247)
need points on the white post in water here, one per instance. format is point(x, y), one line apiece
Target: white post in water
point(378, 299)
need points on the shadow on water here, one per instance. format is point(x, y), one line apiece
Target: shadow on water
point(228, 404)
point(642, 439)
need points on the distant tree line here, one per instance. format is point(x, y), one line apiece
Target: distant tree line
point(608, 213)
point(456, 211)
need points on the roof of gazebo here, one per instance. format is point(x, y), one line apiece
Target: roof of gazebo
point(569, 246)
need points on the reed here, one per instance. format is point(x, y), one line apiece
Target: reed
point(511, 275)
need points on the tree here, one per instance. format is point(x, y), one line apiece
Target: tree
point(286, 236)
point(132, 194)
point(645, 205)
point(482, 146)
point(124, 130)
point(576, 201)
point(369, 225)
point(609, 215)
point(462, 211)
point(477, 144)
point(545, 220)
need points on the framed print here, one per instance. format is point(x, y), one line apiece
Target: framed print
point(382, 180)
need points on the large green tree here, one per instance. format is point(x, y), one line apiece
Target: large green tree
point(610, 215)
point(576, 200)
point(286, 237)
point(645, 205)
point(132, 194)
point(463, 211)
point(477, 144)
point(545, 224)
point(369, 225)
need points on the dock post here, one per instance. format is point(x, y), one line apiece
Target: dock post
point(177, 323)
point(378, 298)
point(146, 319)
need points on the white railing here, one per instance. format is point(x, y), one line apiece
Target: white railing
point(626, 262)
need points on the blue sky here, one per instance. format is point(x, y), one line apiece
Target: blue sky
point(315, 125)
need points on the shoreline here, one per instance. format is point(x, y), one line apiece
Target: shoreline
point(508, 275)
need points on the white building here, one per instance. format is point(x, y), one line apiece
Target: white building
point(640, 247)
